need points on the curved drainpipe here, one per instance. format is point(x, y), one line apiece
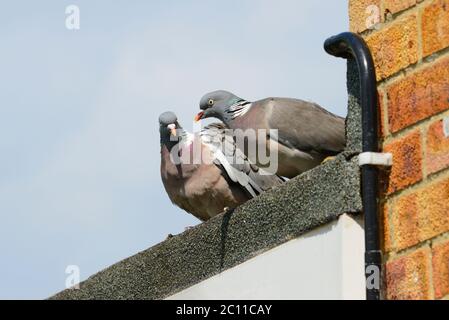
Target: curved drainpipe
point(351, 46)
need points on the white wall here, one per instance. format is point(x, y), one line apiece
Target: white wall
point(326, 263)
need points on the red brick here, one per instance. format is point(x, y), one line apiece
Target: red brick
point(408, 277)
point(440, 264)
point(433, 206)
point(405, 220)
point(406, 169)
point(420, 215)
point(435, 26)
point(437, 149)
point(395, 47)
point(418, 96)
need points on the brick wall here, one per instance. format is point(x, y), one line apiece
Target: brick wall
point(409, 40)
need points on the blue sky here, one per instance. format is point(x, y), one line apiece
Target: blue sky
point(79, 141)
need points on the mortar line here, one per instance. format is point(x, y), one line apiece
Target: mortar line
point(415, 67)
point(439, 238)
point(423, 122)
point(418, 186)
point(394, 255)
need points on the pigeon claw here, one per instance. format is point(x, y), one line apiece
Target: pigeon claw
point(327, 159)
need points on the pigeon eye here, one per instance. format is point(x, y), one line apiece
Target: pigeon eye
point(210, 102)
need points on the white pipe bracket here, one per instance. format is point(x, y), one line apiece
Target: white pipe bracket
point(376, 159)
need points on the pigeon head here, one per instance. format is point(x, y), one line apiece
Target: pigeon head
point(168, 125)
point(218, 104)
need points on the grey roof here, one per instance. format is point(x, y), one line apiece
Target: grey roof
point(302, 204)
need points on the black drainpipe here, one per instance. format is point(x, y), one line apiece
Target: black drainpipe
point(348, 45)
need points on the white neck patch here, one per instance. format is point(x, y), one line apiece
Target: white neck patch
point(240, 109)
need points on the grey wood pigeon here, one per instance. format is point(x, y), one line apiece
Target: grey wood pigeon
point(223, 178)
point(306, 133)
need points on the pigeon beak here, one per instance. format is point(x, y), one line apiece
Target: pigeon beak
point(199, 116)
point(172, 128)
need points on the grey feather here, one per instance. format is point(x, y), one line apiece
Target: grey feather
point(304, 133)
point(235, 162)
point(306, 126)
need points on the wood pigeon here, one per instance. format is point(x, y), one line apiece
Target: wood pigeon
point(220, 178)
point(306, 133)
